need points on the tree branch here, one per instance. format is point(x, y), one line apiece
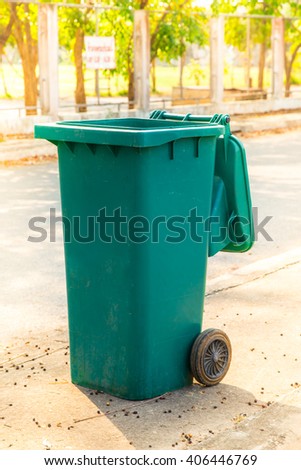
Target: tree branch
point(290, 64)
point(4, 36)
point(17, 28)
point(143, 4)
point(165, 13)
point(295, 28)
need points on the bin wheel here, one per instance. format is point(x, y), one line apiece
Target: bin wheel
point(210, 356)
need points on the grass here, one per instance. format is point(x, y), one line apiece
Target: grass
point(11, 81)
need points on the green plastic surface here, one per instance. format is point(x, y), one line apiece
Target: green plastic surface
point(231, 201)
point(135, 309)
point(130, 132)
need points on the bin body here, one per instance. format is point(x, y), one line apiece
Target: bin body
point(135, 307)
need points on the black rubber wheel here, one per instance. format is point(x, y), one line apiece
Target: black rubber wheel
point(210, 357)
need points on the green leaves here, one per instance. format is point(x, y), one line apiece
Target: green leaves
point(173, 24)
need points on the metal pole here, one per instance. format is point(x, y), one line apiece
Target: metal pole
point(48, 58)
point(97, 70)
point(216, 59)
point(248, 54)
point(141, 61)
point(278, 57)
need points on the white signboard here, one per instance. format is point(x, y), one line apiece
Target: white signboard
point(100, 52)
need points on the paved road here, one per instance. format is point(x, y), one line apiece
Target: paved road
point(32, 274)
point(275, 178)
point(257, 405)
point(32, 278)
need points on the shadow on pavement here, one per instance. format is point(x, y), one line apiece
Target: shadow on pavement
point(179, 419)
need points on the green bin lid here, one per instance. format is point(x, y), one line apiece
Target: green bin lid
point(129, 132)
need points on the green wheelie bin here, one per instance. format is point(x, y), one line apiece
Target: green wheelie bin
point(144, 203)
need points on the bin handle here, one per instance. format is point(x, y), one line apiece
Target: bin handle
point(221, 119)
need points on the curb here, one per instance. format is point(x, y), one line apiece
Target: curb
point(29, 150)
point(290, 122)
point(252, 272)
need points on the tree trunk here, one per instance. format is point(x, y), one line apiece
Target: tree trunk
point(261, 65)
point(28, 49)
point(80, 94)
point(109, 85)
point(30, 89)
point(153, 74)
point(288, 70)
point(131, 90)
point(287, 88)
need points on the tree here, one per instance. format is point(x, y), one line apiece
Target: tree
point(292, 46)
point(74, 24)
point(262, 31)
point(236, 30)
point(118, 22)
point(173, 24)
point(292, 29)
point(24, 31)
point(172, 30)
point(6, 24)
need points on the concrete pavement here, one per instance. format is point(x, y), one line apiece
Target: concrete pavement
point(254, 297)
point(257, 406)
point(25, 150)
